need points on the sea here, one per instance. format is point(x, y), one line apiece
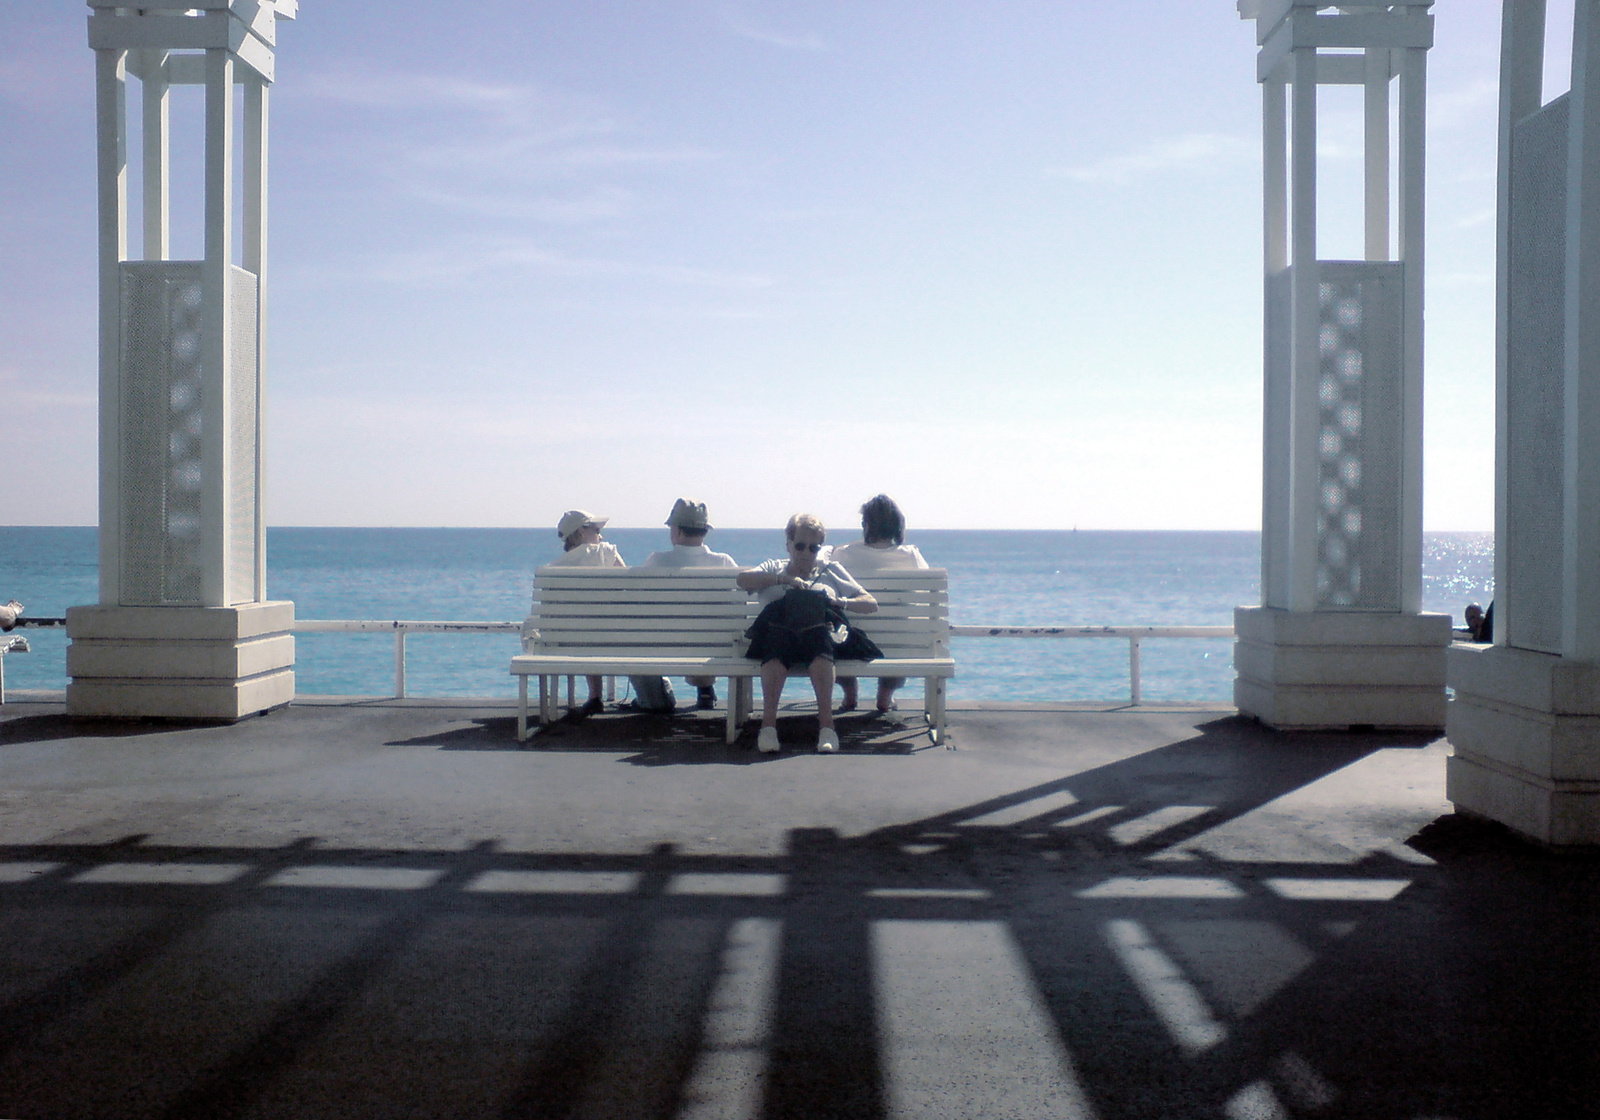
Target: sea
point(1064, 578)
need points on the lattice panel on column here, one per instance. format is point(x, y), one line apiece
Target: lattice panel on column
point(1358, 435)
point(243, 436)
point(1530, 602)
point(161, 432)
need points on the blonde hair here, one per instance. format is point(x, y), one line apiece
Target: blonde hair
point(805, 521)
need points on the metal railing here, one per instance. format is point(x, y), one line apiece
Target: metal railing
point(1133, 635)
point(400, 628)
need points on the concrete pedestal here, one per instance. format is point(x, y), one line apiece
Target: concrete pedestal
point(180, 662)
point(1525, 728)
point(1298, 670)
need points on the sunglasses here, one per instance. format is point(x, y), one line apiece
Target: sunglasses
point(805, 546)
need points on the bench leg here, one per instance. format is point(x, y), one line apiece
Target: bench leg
point(544, 699)
point(732, 731)
point(522, 707)
point(940, 735)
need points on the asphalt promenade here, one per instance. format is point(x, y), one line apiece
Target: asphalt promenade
point(392, 909)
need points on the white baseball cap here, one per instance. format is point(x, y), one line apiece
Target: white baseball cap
point(575, 519)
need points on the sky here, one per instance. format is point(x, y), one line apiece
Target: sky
point(1000, 261)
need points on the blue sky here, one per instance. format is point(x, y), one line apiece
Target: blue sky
point(1002, 261)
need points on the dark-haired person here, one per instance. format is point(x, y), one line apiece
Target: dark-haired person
point(882, 548)
point(580, 537)
point(804, 599)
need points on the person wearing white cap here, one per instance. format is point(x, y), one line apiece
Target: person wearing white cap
point(579, 531)
point(9, 613)
point(689, 526)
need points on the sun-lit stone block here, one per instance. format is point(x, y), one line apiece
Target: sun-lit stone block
point(180, 662)
point(1306, 670)
point(1525, 728)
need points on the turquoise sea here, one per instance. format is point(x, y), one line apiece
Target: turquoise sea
point(996, 577)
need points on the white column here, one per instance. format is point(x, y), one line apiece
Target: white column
point(1303, 258)
point(155, 103)
point(1375, 105)
point(218, 325)
point(1274, 176)
point(1580, 626)
point(111, 158)
point(256, 105)
point(1413, 128)
point(1522, 28)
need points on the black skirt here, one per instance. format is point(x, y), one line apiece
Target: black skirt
point(803, 626)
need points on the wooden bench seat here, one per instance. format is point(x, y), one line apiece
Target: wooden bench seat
point(688, 622)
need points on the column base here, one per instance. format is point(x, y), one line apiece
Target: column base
point(1326, 670)
point(221, 663)
point(1525, 728)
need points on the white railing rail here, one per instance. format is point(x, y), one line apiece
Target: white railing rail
point(1133, 635)
point(400, 628)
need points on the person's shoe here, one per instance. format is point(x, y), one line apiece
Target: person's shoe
point(708, 698)
point(767, 741)
point(594, 707)
point(828, 741)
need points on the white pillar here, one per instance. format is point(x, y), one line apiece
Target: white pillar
point(1525, 723)
point(1340, 639)
point(183, 627)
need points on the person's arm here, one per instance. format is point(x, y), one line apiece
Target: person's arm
point(759, 579)
point(850, 595)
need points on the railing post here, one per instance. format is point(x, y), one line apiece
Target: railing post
point(1133, 669)
point(399, 663)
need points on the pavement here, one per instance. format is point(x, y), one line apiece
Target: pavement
point(394, 909)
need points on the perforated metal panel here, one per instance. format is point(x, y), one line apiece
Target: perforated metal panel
point(1360, 379)
point(1534, 379)
point(243, 441)
point(163, 389)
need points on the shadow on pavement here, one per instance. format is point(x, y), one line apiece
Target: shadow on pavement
point(1076, 947)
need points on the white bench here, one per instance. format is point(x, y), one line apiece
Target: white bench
point(690, 622)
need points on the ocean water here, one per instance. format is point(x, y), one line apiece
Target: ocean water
point(996, 577)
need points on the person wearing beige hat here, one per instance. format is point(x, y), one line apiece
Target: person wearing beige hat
point(689, 525)
point(579, 531)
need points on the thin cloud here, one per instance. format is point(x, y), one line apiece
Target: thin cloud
point(496, 149)
point(744, 29)
point(1195, 150)
point(457, 264)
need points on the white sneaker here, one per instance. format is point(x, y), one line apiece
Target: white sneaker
point(828, 741)
point(767, 741)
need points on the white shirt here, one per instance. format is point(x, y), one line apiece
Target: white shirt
point(690, 556)
point(825, 573)
point(860, 556)
point(602, 554)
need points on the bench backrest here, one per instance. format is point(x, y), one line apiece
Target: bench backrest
point(701, 612)
point(913, 616)
point(638, 612)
